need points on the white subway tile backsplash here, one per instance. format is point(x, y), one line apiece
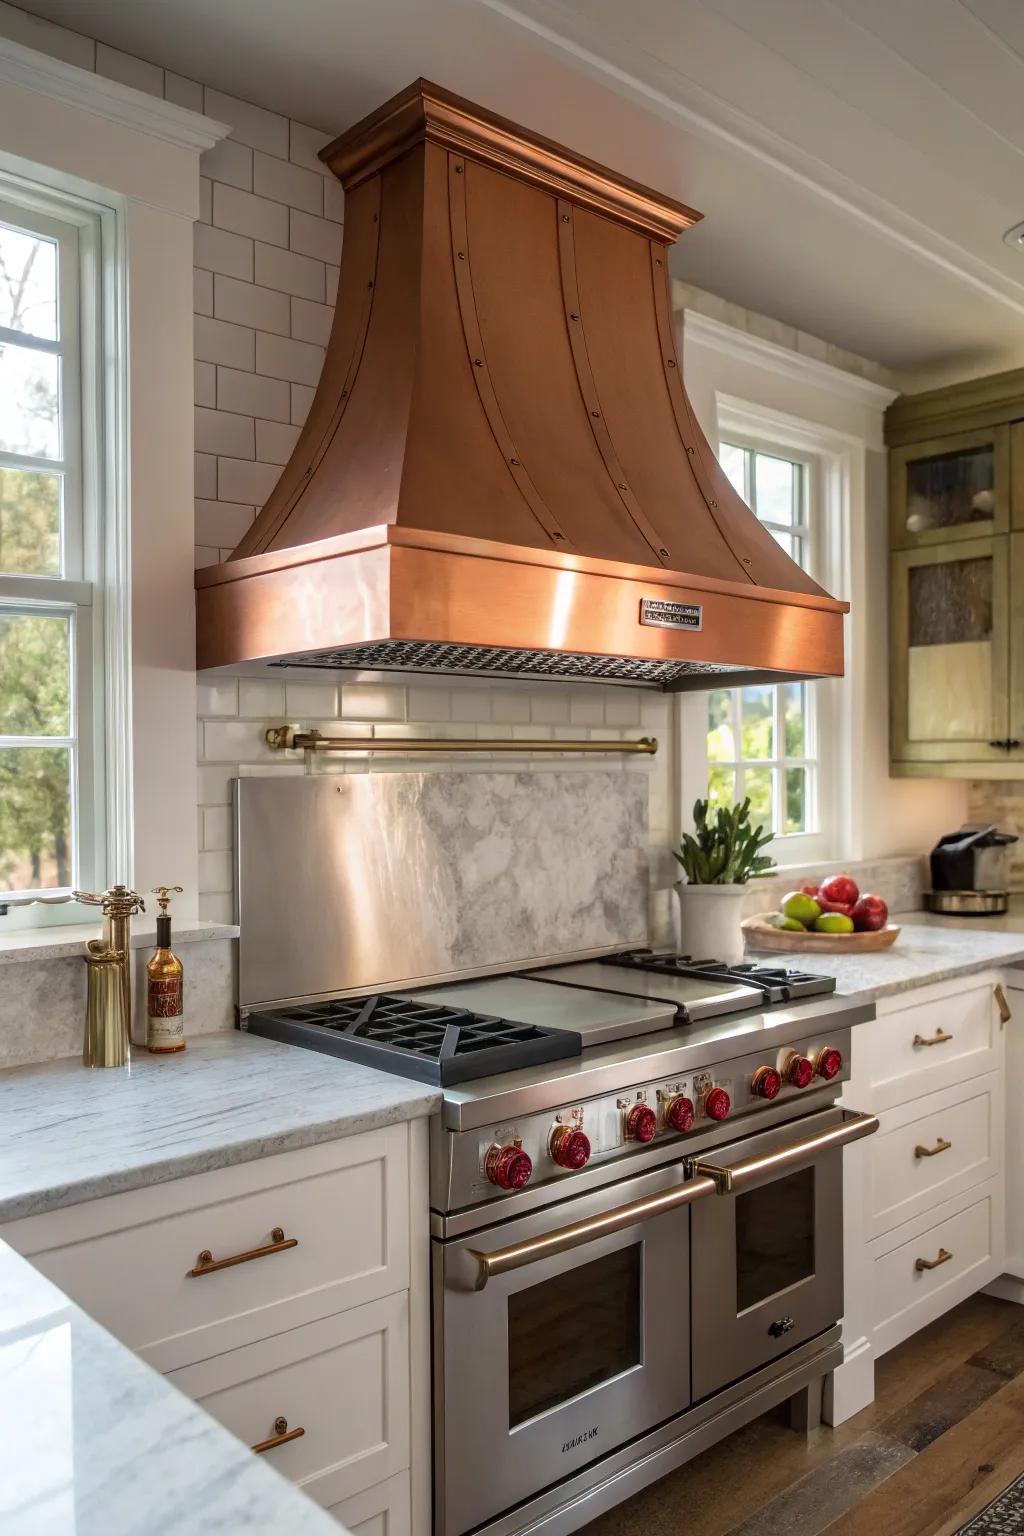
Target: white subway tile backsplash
point(230, 162)
point(217, 341)
point(205, 383)
point(509, 706)
point(253, 395)
point(235, 741)
point(205, 554)
point(206, 476)
point(218, 696)
point(216, 908)
point(202, 291)
point(258, 700)
point(220, 251)
point(305, 146)
point(182, 91)
point(222, 523)
point(128, 70)
point(550, 707)
point(302, 399)
point(311, 322)
point(216, 821)
point(48, 37)
point(252, 125)
point(471, 704)
point(287, 183)
point(263, 309)
point(275, 441)
point(315, 237)
point(283, 358)
point(246, 480)
point(290, 272)
point(245, 214)
point(205, 200)
point(333, 273)
point(587, 707)
point(334, 199)
point(366, 701)
point(429, 704)
point(305, 699)
point(224, 432)
point(215, 785)
point(215, 873)
point(622, 706)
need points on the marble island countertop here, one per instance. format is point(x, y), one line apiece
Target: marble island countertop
point(95, 1443)
point(69, 1135)
point(929, 950)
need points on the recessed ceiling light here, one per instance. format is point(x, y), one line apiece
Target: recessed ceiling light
point(1015, 236)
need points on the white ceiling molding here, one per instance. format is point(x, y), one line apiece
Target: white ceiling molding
point(709, 118)
point(754, 350)
point(119, 103)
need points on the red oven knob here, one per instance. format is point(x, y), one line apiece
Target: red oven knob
point(641, 1123)
point(679, 1114)
point(828, 1063)
point(766, 1083)
point(717, 1103)
point(508, 1167)
point(569, 1147)
point(799, 1070)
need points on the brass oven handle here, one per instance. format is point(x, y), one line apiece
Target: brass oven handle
point(281, 1436)
point(1005, 1012)
point(942, 1257)
point(750, 1170)
point(502, 1260)
point(942, 1145)
point(206, 1264)
point(939, 1038)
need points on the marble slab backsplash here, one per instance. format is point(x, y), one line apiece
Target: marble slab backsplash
point(899, 882)
point(42, 1002)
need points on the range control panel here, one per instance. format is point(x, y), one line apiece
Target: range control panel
point(561, 1143)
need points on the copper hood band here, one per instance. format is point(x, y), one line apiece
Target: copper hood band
point(501, 472)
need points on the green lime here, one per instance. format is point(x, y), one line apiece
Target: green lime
point(833, 922)
point(803, 909)
point(788, 924)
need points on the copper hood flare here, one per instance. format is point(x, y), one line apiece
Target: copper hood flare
point(501, 473)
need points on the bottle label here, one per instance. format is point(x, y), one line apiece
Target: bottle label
point(165, 997)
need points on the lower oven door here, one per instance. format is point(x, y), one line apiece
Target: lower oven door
point(767, 1258)
point(557, 1337)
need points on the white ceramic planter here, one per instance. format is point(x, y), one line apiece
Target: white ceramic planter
point(709, 921)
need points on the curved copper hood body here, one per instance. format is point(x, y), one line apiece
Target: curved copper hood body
point(501, 472)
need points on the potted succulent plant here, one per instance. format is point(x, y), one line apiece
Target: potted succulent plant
point(718, 858)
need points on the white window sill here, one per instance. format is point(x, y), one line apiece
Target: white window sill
point(58, 943)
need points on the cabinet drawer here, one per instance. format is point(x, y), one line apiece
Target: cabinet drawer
point(344, 1380)
point(940, 1040)
point(128, 1259)
point(384, 1510)
point(905, 1297)
point(930, 1150)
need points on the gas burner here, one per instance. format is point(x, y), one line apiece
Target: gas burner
point(776, 983)
point(431, 1042)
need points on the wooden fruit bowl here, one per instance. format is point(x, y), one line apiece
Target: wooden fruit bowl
point(761, 934)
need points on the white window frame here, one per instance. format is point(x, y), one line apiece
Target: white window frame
point(828, 459)
point(92, 589)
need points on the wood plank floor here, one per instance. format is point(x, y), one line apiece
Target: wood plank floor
point(944, 1435)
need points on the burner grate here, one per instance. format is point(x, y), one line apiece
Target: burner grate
point(777, 983)
point(432, 1042)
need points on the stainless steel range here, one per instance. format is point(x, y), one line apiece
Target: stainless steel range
point(636, 1210)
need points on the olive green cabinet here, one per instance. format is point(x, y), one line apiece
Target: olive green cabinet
point(956, 511)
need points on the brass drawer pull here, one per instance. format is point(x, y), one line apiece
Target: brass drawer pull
point(939, 1038)
point(942, 1145)
point(942, 1257)
point(1005, 1011)
point(282, 1434)
point(206, 1264)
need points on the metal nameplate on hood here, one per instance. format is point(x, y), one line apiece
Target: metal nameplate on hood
point(661, 614)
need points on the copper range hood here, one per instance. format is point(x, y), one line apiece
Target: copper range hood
point(501, 473)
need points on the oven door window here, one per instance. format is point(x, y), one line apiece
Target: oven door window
point(774, 1238)
point(570, 1333)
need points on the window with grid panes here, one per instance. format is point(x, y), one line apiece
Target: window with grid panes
point(47, 779)
point(763, 741)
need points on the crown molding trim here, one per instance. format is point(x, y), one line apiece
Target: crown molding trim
point(755, 351)
point(34, 71)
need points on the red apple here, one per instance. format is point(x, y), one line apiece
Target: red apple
point(870, 914)
point(811, 889)
point(840, 888)
point(846, 908)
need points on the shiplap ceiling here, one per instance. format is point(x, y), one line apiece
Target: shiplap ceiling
point(857, 161)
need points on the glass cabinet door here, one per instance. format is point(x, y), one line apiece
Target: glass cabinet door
point(956, 487)
point(950, 653)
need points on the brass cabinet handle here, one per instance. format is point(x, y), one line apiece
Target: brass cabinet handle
point(1005, 1012)
point(282, 1434)
point(942, 1257)
point(206, 1264)
point(939, 1038)
point(940, 1146)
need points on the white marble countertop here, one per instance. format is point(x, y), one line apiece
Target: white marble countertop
point(68, 1134)
point(61, 940)
point(928, 950)
point(95, 1443)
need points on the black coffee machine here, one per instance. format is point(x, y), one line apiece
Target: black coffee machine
point(969, 872)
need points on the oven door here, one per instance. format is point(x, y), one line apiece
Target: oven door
point(558, 1337)
point(767, 1271)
